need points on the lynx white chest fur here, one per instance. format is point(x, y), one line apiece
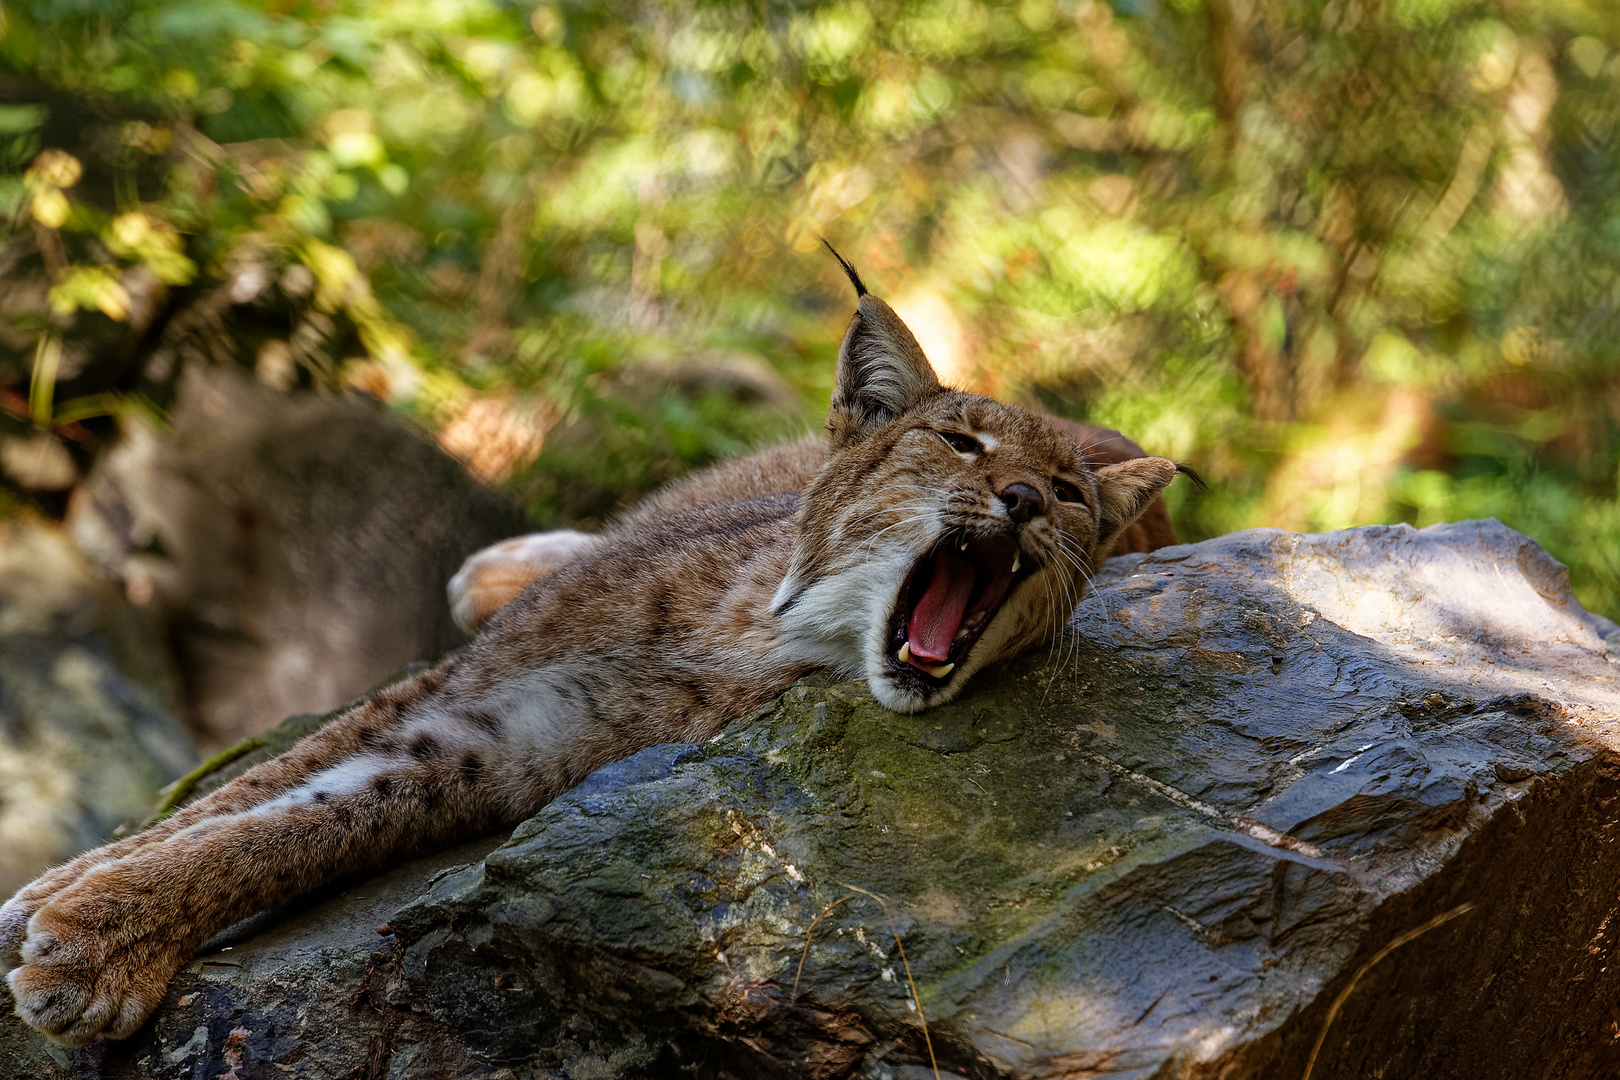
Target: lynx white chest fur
point(931, 533)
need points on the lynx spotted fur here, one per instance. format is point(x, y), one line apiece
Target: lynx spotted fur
point(932, 533)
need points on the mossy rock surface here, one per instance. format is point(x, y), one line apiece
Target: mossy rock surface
point(1162, 848)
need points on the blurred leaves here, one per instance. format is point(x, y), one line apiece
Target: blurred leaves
point(1354, 259)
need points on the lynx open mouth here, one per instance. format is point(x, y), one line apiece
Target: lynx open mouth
point(948, 599)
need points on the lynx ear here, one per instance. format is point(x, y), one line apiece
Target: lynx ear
point(1125, 490)
point(882, 372)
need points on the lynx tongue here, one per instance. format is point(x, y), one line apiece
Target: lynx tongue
point(938, 614)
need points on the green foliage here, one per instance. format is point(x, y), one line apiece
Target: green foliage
point(1355, 260)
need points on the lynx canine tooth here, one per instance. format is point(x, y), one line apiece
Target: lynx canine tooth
point(941, 670)
point(1016, 556)
point(904, 654)
point(963, 545)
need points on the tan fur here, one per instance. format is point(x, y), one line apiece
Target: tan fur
point(694, 609)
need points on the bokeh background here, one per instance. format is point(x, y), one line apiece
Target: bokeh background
point(1357, 261)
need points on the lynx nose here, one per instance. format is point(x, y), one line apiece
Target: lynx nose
point(1023, 502)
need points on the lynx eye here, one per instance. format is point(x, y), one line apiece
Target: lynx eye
point(962, 444)
point(1067, 492)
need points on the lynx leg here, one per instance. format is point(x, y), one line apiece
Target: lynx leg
point(492, 578)
point(409, 771)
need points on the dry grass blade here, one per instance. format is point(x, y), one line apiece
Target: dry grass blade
point(1344, 995)
point(915, 1000)
point(808, 936)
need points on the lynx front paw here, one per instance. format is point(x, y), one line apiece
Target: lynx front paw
point(93, 966)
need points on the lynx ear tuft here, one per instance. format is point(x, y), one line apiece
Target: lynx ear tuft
point(849, 271)
point(1126, 489)
point(882, 372)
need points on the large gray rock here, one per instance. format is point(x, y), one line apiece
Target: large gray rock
point(88, 732)
point(1349, 794)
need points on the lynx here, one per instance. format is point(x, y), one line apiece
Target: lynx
point(933, 532)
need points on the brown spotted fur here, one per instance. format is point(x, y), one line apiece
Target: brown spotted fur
point(495, 577)
point(697, 607)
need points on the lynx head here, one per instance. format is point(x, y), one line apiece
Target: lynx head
point(947, 530)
